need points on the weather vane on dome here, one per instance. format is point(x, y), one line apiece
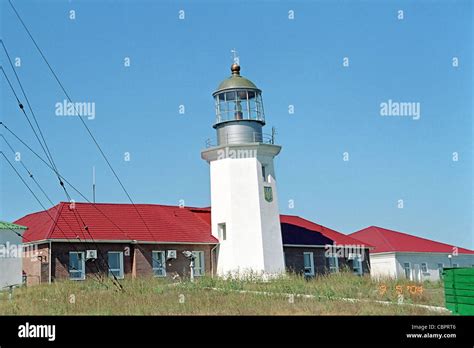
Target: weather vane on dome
point(235, 57)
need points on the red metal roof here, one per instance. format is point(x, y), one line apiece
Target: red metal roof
point(386, 240)
point(117, 222)
point(106, 221)
point(337, 237)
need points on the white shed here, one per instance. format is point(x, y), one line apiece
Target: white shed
point(11, 252)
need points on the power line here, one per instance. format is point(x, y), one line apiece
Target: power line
point(30, 174)
point(48, 152)
point(45, 148)
point(80, 118)
point(35, 153)
point(32, 192)
point(72, 186)
point(20, 105)
point(28, 171)
point(44, 208)
point(66, 192)
point(54, 220)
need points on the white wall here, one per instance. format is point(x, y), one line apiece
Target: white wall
point(383, 265)
point(233, 182)
point(254, 241)
point(432, 260)
point(392, 264)
point(10, 263)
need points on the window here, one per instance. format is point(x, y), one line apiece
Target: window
point(424, 267)
point(158, 263)
point(407, 268)
point(455, 265)
point(239, 104)
point(440, 270)
point(333, 264)
point(357, 264)
point(308, 264)
point(77, 265)
point(115, 260)
point(264, 173)
point(222, 231)
point(199, 263)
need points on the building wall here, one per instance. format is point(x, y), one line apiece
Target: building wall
point(383, 265)
point(137, 258)
point(10, 260)
point(366, 265)
point(432, 260)
point(294, 260)
point(60, 258)
point(392, 264)
point(36, 263)
point(174, 267)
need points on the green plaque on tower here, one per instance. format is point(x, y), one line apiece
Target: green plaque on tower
point(268, 193)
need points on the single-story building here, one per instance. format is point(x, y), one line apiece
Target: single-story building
point(398, 254)
point(78, 240)
point(306, 250)
point(11, 251)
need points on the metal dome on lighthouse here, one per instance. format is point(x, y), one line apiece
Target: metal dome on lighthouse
point(239, 110)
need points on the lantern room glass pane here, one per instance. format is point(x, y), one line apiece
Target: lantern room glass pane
point(229, 96)
point(239, 104)
point(242, 94)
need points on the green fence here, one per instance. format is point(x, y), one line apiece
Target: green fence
point(459, 290)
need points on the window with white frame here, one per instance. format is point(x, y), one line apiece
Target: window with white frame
point(308, 264)
point(222, 231)
point(159, 263)
point(77, 265)
point(407, 268)
point(199, 263)
point(333, 264)
point(115, 261)
point(424, 267)
point(440, 270)
point(455, 265)
point(357, 264)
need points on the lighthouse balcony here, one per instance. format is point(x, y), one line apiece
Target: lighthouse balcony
point(243, 138)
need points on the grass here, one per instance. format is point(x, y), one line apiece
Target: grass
point(155, 296)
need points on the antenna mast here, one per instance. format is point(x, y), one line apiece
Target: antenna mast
point(93, 184)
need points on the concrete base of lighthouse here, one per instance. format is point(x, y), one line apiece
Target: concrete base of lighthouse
point(245, 215)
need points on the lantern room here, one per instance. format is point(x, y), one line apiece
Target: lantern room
point(239, 110)
point(237, 98)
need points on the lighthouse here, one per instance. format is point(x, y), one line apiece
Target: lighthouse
point(245, 216)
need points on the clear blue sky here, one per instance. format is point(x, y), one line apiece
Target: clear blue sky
point(296, 62)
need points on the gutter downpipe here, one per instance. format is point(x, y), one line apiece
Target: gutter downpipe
point(50, 261)
point(212, 260)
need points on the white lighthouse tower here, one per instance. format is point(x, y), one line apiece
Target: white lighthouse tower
point(245, 216)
